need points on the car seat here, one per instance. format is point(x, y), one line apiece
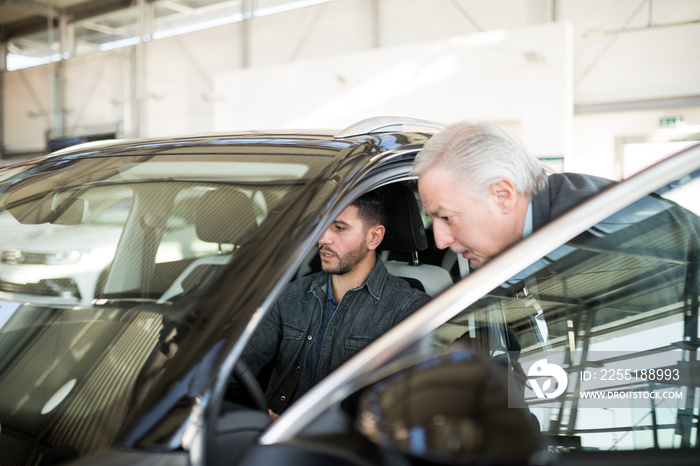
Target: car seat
point(405, 233)
point(224, 216)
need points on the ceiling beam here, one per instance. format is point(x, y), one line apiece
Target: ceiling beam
point(97, 7)
point(34, 8)
point(77, 12)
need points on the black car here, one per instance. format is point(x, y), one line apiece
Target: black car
point(122, 348)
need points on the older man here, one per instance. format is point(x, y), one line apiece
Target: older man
point(484, 190)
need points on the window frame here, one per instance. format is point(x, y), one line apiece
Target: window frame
point(361, 369)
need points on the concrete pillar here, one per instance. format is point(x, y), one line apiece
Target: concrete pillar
point(247, 12)
point(3, 68)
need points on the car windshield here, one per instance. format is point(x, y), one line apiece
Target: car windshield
point(96, 255)
point(60, 236)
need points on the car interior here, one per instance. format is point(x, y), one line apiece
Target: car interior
point(213, 224)
point(242, 419)
point(404, 240)
point(408, 249)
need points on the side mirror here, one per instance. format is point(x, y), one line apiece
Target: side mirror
point(452, 408)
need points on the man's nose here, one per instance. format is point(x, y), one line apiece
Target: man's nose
point(443, 238)
point(325, 238)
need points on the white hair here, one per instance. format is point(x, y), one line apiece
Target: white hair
point(481, 153)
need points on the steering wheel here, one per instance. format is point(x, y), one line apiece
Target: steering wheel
point(249, 385)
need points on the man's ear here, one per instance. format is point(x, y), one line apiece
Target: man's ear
point(504, 194)
point(375, 235)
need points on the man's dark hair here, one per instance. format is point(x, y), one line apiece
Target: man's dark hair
point(372, 207)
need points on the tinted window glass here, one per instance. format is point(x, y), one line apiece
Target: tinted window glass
point(61, 259)
point(96, 254)
point(130, 226)
point(603, 331)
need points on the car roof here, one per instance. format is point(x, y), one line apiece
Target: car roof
point(374, 129)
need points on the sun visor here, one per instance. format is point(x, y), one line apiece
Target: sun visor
point(48, 208)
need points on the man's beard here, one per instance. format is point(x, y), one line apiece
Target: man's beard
point(345, 263)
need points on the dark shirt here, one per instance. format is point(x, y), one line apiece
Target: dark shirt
point(289, 329)
point(308, 369)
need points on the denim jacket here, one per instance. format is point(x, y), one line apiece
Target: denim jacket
point(288, 329)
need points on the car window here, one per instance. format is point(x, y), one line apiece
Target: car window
point(602, 332)
point(203, 230)
point(131, 226)
point(66, 257)
point(180, 240)
point(100, 263)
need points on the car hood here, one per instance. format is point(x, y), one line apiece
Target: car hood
point(72, 366)
point(84, 238)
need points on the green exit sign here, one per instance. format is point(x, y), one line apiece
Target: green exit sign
point(670, 121)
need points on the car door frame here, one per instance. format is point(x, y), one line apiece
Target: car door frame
point(357, 372)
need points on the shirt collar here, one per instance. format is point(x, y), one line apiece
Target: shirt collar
point(374, 281)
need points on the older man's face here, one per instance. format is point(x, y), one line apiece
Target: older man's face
point(471, 225)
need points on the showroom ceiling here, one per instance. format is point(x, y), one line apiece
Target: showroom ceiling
point(20, 17)
point(27, 17)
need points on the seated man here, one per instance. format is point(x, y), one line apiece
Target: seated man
point(320, 321)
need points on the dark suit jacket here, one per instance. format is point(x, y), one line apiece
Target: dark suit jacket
point(563, 192)
point(649, 250)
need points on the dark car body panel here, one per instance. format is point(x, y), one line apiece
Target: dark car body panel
point(209, 328)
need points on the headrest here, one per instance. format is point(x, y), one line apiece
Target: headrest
point(404, 231)
point(225, 216)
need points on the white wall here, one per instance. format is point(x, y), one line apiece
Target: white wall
point(94, 92)
point(322, 31)
point(647, 64)
point(26, 109)
point(93, 95)
point(482, 75)
point(631, 50)
point(639, 51)
point(595, 136)
point(179, 93)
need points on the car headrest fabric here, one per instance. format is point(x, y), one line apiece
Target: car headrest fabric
point(225, 216)
point(404, 231)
